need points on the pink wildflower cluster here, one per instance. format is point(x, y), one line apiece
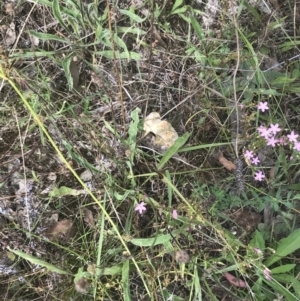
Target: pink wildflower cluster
point(270, 134)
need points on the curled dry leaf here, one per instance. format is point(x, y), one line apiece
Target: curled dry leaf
point(88, 217)
point(10, 8)
point(234, 281)
point(10, 36)
point(182, 256)
point(61, 228)
point(226, 163)
point(165, 135)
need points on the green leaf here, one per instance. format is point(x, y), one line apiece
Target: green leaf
point(132, 16)
point(283, 268)
point(197, 28)
point(277, 287)
point(40, 262)
point(57, 14)
point(152, 241)
point(66, 66)
point(176, 4)
point(125, 281)
point(173, 150)
point(286, 246)
point(63, 190)
point(48, 36)
point(133, 129)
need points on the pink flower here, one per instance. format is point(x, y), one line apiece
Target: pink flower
point(274, 128)
point(255, 160)
point(259, 176)
point(257, 250)
point(175, 214)
point(263, 106)
point(264, 132)
point(248, 154)
point(272, 141)
point(267, 274)
point(297, 146)
point(140, 207)
point(292, 137)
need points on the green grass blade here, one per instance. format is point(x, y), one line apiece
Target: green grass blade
point(40, 262)
point(173, 150)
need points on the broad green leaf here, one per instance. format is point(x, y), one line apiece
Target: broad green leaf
point(63, 190)
point(132, 16)
point(125, 281)
point(173, 150)
point(40, 262)
point(133, 128)
point(283, 268)
point(197, 28)
point(277, 287)
point(152, 241)
point(179, 11)
point(48, 36)
point(57, 14)
point(66, 66)
point(176, 4)
point(286, 246)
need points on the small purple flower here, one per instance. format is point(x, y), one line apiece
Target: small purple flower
point(274, 128)
point(257, 250)
point(248, 154)
point(255, 160)
point(175, 214)
point(292, 137)
point(259, 176)
point(264, 132)
point(272, 141)
point(297, 146)
point(263, 106)
point(140, 207)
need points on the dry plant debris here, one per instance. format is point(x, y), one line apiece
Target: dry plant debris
point(165, 135)
point(226, 163)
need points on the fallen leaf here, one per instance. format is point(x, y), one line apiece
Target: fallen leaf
point(61, 228)
point(165, 135)
point(10, 8)
point(234, 281)
point(272, 173)
point(182, 256)
point(246, 219)
point(226, 163)
point(88, 217)
point(10, 36)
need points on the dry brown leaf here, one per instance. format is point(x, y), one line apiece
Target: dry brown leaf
point(246, 219)
point(272, 173)
point(88, 217)
point(10, 36)
point(10, 8)
point(226, 163)
point(61, 228)
point(165, 135)
point(182, 256)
